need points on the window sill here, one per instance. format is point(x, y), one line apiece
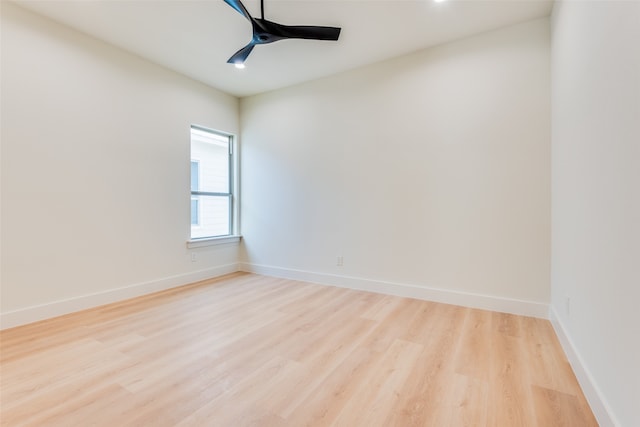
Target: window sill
point(212, 241)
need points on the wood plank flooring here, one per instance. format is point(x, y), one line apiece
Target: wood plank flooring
point(248, 350)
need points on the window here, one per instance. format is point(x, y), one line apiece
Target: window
point(212, 182)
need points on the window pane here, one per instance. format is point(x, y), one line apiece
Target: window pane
point(195, 175)
point(211, 152)
point(214, 217)
point(195, 212)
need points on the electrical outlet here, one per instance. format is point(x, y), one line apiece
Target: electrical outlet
point(194, 257)
point(340, 261)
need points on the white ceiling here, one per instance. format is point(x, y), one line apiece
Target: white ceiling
point(196, 37)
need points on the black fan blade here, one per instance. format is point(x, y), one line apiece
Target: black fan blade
point(237, 5)
point(307, 32)
point(240, 56)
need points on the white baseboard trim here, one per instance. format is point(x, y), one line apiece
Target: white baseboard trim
point(485, 302)
point(601, 410)
point(58, 308)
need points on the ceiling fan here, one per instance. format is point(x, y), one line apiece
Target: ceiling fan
point(268, 32)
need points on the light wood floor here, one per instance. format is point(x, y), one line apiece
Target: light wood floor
point(248, 350)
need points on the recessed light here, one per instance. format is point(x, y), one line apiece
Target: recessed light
point(439, 1)
point(239, 65)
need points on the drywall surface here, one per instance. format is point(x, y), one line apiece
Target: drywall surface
point(432, 169)
point(596, 195)
point(95, 165)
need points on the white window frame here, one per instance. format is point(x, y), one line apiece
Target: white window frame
point(234, 214)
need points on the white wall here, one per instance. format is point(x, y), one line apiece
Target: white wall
point(431, 170)
point(596, 199)
point(95, 169)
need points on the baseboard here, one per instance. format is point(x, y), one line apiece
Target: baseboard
point(594, 396)
point(58, 308)
point(485, 302)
